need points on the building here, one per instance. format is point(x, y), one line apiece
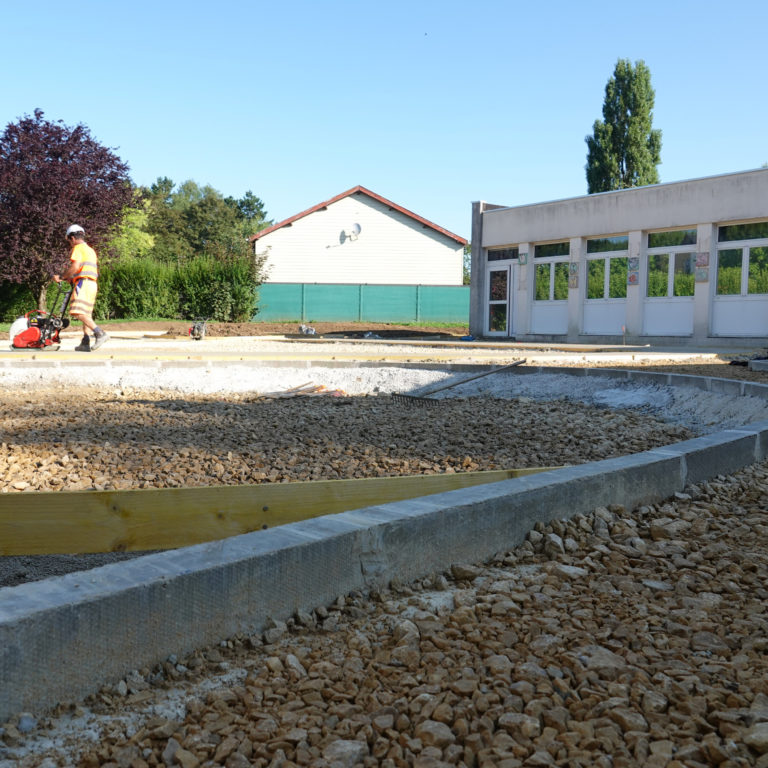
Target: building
point(360, 237)
point(361, 257)
point(683, 262)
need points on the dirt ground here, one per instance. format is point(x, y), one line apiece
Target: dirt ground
point(351, 330)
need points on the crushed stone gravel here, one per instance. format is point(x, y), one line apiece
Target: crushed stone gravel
point(602, 641)
point(619, 638)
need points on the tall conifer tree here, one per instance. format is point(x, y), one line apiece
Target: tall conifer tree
point(624, 148)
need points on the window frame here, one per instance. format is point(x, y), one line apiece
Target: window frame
point(551, 261)
point(746, 247)
point(670, 251)
point(493, 304)
point(674, 246)
point(513, 253)
point(605, 256)
point(722, 227)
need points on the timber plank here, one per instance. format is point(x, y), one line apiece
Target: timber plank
point(74, 522)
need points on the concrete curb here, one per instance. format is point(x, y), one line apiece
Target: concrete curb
point(62, 638)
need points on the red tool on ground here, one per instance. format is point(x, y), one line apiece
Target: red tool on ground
point(39, 329)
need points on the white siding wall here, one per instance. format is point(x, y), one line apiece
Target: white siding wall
point(392, 248)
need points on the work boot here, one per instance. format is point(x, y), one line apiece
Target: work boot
point(84, 345)
point(99, 339)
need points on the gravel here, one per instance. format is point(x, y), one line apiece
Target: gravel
point(699, 410)
point(624, 637)
point(619, 638)
point(172, 427)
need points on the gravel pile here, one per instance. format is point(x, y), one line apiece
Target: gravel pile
point(157, 440)
point(620, 638)
point(152, 440)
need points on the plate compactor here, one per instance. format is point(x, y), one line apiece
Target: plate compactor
point(39, 329)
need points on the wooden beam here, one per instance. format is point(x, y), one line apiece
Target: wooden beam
point(61, 522)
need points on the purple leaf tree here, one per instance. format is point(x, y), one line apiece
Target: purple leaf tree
point(51, 176)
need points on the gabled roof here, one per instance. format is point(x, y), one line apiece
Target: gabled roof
point(354, 191)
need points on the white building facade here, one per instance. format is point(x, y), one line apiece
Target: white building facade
point(360, 237)
point(684, 262)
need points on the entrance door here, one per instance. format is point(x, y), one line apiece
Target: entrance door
point(498, 305)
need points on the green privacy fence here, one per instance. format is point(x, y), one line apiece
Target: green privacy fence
point(338, 302)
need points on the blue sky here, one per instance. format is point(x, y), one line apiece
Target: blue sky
point(430, 104)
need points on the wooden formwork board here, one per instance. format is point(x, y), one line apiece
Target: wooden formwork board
point(74, 522)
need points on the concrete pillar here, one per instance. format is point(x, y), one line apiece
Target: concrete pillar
point(703, 292)
point(577, 292)
point(523, 297)
point(636, 293)
point(477, 287)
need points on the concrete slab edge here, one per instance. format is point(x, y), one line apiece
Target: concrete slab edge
point(62, 638)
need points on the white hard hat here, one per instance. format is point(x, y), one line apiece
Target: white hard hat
point(75, 229)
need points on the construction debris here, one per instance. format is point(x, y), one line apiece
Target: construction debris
point(303, 390)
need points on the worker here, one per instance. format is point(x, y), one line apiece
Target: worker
point(83, 273)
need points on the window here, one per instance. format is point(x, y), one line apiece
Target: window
point(671, 274)
point(602, 244)
point(617, 277)
point(502, 254)
point(596, 279)
point(551, 276)
point(498, 287)
point(551, 250)
point(607, 276)
point(729, 272)
point(671, 239)
point(551, 281)
point(758, 270)
point(743, 270)
point(658, 274)
point(497, 318)
point(755, 231)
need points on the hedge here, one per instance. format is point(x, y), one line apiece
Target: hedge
point(198, 288)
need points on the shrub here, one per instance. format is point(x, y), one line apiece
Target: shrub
point(15, 301)
point(221, 290)
point(136, 288)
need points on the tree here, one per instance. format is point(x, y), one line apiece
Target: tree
point(195, 221)
point(52, 175)
point(132, 239)
point(467, 263)
point(624, 149)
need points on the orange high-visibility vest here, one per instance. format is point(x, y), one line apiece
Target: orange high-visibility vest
point(84, 257)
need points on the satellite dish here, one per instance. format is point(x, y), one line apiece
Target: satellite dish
point(351, 233)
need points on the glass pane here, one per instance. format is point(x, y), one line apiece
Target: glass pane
point(561, 280)
point(601, 244)
point(542, 282)
point(743, 231)
point(497, 254)
point(497, 317)
point(729, 272)
point(498, 285)
point(758, 270)
point(596, 279)
point(667, 239)
point(684, 278)
point(658, 274)
point(551, 249)
point(617, 278)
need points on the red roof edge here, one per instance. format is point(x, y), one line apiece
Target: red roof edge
point(363, 190)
